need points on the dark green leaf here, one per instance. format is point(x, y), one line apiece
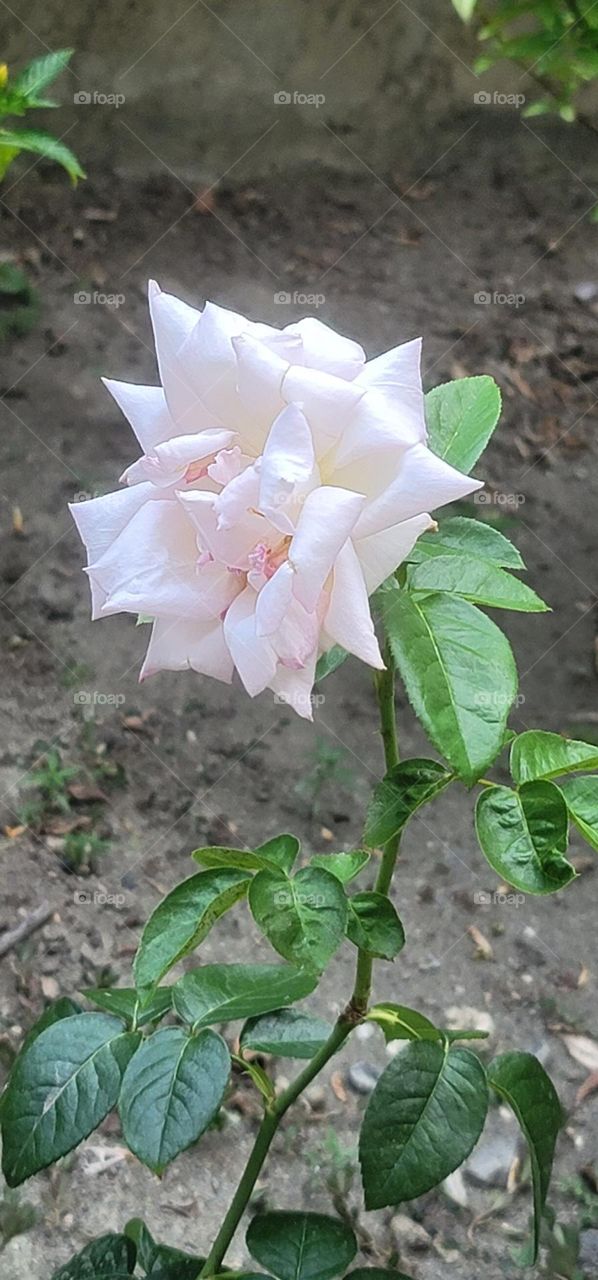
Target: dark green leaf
point(459, 535)
point(400, 1023)
point(44, 145)
point(536, 754)
point(61, 1089)
point(329, 661)
point(461, 417)
point(459, 673)
point(475, 580)
point(374, 926)
point(279, 853)
point(423, 1119)
point(183, 918)
point(304, 917)
point(171, 1092)
point(409, 785)
point(524, 833)
point(160, 1261)
point(521, 1081)
point(124, 1002)
point(345, 866)
point(581, 798)
point(62, 1008)
point(223, 992)
point(301, 1246)
point(110, 1257)
point(288, 1033)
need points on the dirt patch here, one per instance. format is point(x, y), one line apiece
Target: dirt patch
point(181, 761)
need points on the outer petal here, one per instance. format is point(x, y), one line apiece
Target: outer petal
point(152, 568)
point(253, 655)
point(168, 462)
point(326, 520)
point(325, 349)
point(424, 482)
point(381, 553)
point(173, 321)
point(397, 374)
point(287, 467)
point(178, 644)
point(295, 687)
point(146, 410)
point(100, 520)
point(348, 620)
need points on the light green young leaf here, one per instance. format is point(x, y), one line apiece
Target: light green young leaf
point(301, 1246)
point(41, 72)
point(400, 794)
point(400, 1023)
point(474, 580)
point(43, 144)
point(521, 1081)
point(374, 926)
point(536, 754)
point(171, 1092)
point(304, 917)
point(459, 673)
point(345, 866)
point(109, 1257)
point(461, 417)
point(60, 1090)
point(287, 1033)
point(280, 852)
point(424, 1117)
point(461, 536)
point(581, 798)
point(329, 661)
point(182, 919)
point(523, 834)
point(224, 992)
point(465, 8)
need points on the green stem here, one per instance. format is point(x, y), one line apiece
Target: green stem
point(349, 1018)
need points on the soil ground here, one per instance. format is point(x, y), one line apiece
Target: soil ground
point(181, 761)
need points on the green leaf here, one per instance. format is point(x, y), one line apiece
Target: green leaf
point(43, 144)
point(223, 992)
point(171, 1092)
point(62, 1008)
point(581, 798)
point(345, 866)
point(110, 1257)
point(160, 1261)
point(304, 917)
point(329, 661)
point(400, 1023)
point(404, 789)
point(521, 1080)
point(124, 1002)
point(301, 1246)
point(475, 580)
point(61, 1089)
point(41, 72)
point(182, 919)
point(461, 417)
point(424, 1117)
point(288, 1033)
point(523, 834)
point(459, 535)
point(374, 926)
point(537, 754)
point(279, 853)
point(459, 673)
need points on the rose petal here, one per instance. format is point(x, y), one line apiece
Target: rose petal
point(397, 373)
point(146, 410)
point(178, 644)
point(348, 619)
point(287, 468)
point(252, 655)
point(423, 483)
point(381, 553)
point(168, 462)
point(327, 518)
point(325, 349)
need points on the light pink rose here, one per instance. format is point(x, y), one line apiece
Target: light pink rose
point(282, 478)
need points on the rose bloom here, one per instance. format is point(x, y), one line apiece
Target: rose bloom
point(283, 477)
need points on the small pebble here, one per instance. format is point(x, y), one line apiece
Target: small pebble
point(362, 1077)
